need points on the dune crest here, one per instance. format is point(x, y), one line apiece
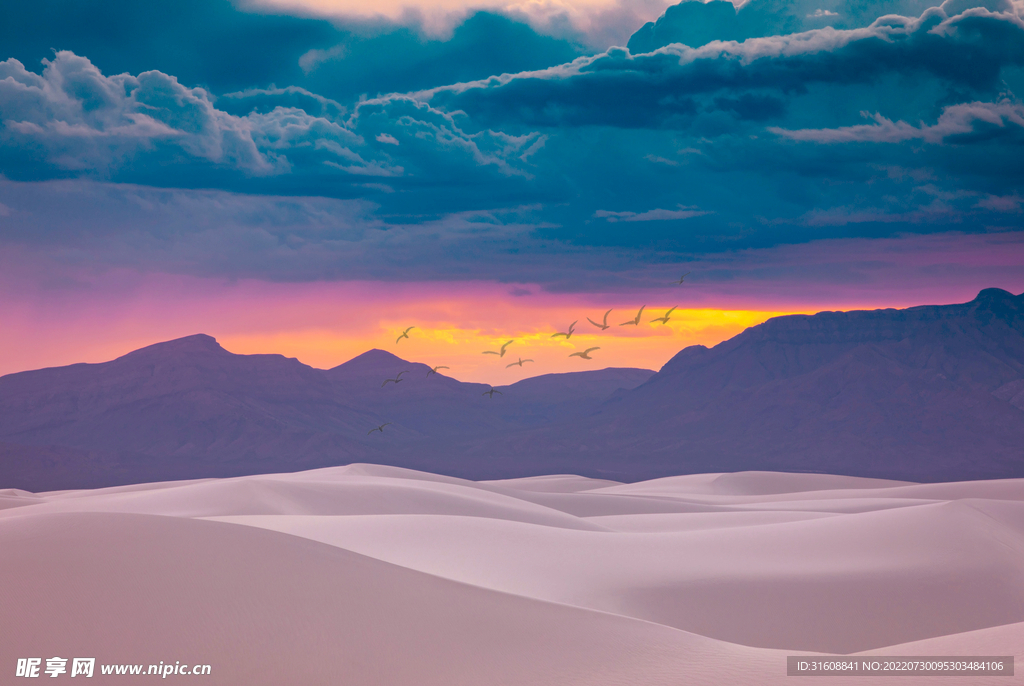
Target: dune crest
point(411, 578)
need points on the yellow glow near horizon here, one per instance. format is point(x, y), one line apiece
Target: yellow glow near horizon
point(325, 324)
point(98, 317)
point(461, 349)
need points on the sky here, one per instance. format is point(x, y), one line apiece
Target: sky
point(311, 177)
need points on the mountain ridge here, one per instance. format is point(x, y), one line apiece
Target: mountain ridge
point(927, 393)
point(188, 406)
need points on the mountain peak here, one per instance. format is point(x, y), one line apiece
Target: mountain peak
point(991, 294)
point(195, 344)
point(1001, 304)
point(371, 358)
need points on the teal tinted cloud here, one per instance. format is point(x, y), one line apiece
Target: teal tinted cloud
point(215, 45)
point(899, 124)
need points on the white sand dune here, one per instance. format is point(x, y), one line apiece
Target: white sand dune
point(554, 483)
point(751, 483)
point(377, 575)
point(852, 583)
point(264, 608)
point(354, 494)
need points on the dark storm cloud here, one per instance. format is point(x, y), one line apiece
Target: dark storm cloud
point(906, 125)
point(667, 87)
point(401, 60)
point(97, 226)
point(213, 44)
point(695, 23)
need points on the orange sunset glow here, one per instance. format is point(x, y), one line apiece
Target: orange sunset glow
point(648, 345)
point(324, 325)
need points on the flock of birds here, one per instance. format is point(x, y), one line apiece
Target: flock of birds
point(583, 354)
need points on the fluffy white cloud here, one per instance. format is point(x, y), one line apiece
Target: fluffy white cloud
point(81, 119)
point(85, 119)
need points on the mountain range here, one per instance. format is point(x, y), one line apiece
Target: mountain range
point(931, 393)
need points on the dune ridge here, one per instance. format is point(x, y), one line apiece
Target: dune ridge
point(369, 574)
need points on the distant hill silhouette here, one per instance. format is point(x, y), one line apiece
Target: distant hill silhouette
point(188, 408)
point(927, 393)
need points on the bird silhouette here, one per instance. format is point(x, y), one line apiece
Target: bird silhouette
point(501, 354)
point(397, 379)
point(568, 334)
point(405, 334)
point(379, 428)
point(636, 321)
point(434, 370)
point(603, 325)
point(664, 320)
point(681, 278)
point(491, 393)
point(585, 354)
point(520, 363)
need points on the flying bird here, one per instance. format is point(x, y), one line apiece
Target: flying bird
point(520, 363)
point(603, 325)
point(434, 370)
point(681, 278)
point(568, 335)
point(664, 320)
point(501, 354)
point(491, 393)
point(405, 334)
point(397, 379)
point(634, 322)
point(379, 428)
point(585, 354)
